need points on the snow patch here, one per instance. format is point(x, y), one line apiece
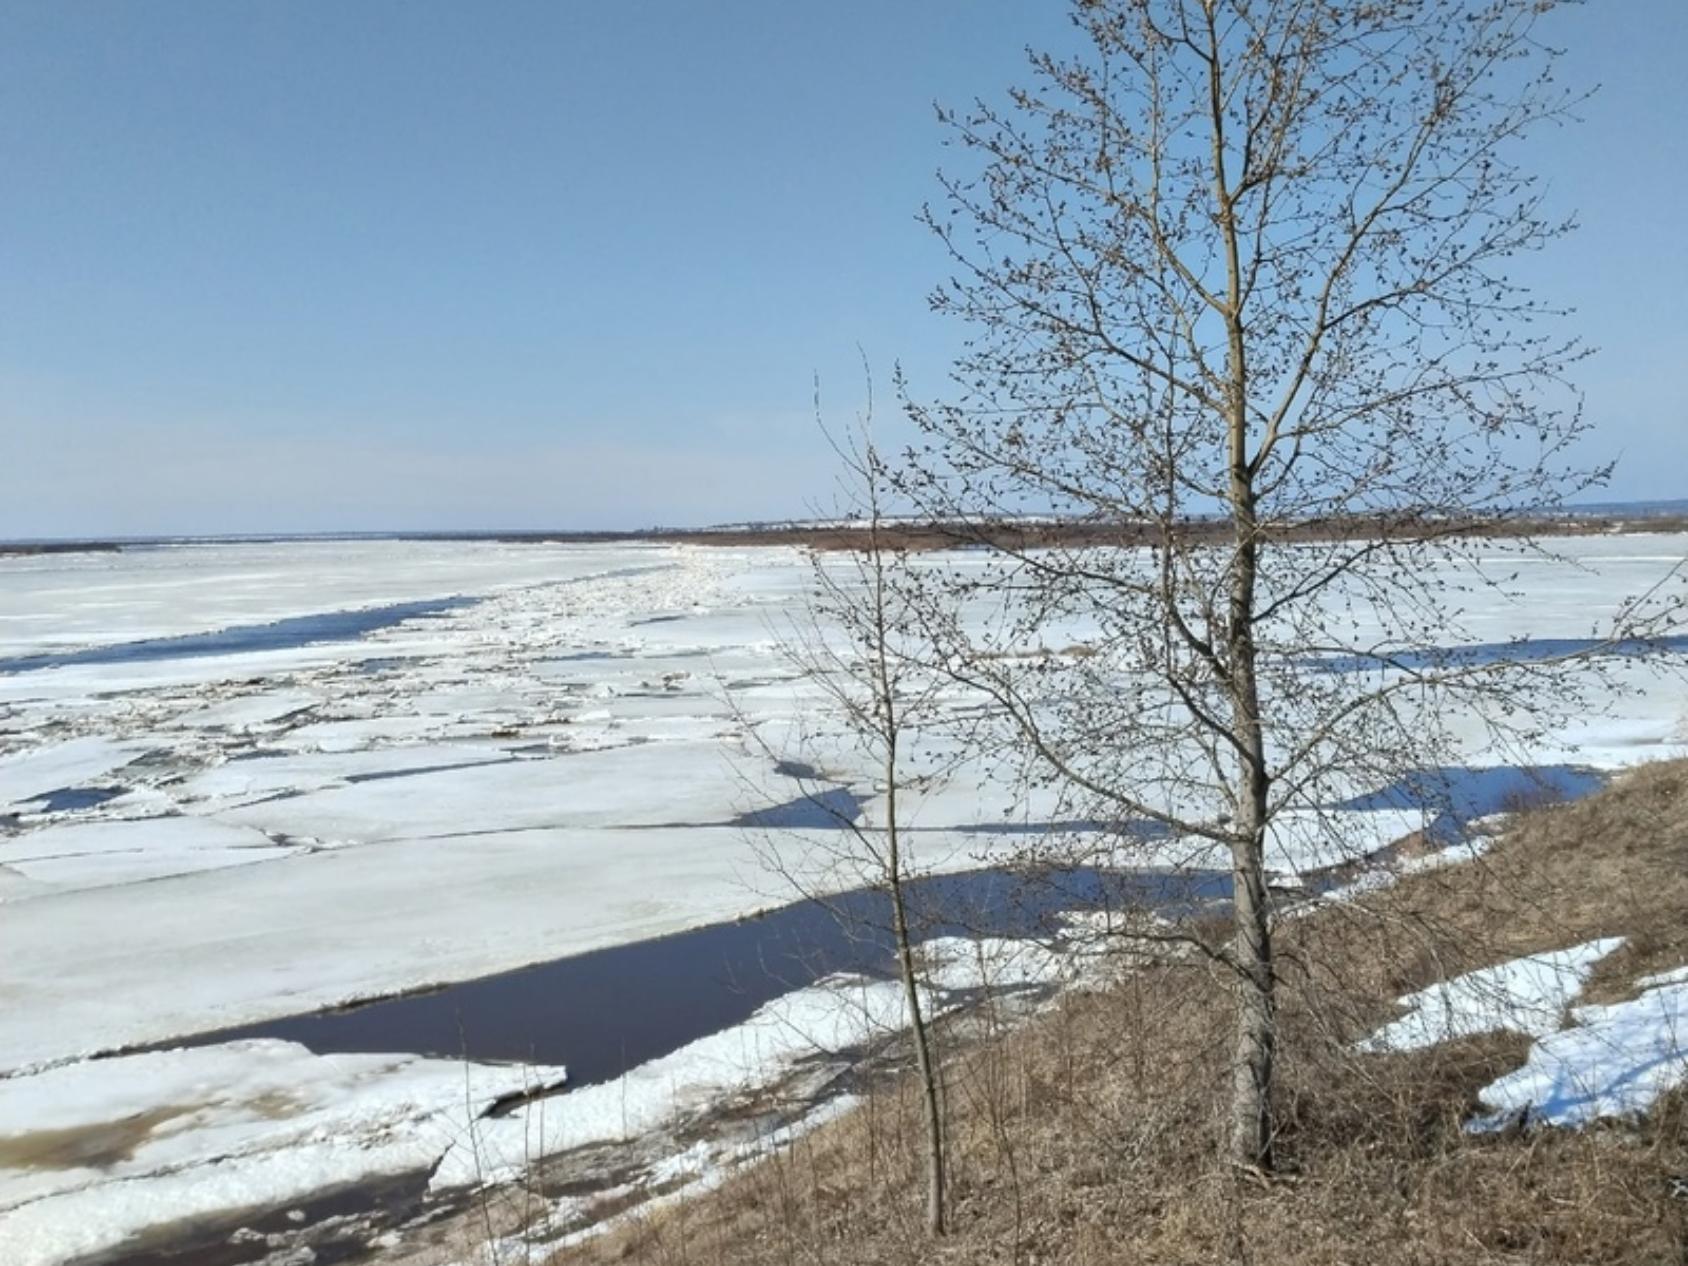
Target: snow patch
point(1523, 995)
point(1613, 1061)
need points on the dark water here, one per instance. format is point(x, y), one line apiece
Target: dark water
point(303, 630)
point(331, 1224)
point(608, 1011)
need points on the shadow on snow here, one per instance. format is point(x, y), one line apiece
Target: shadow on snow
point(278, 635)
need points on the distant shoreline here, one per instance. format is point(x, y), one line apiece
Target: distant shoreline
point(1643, 517)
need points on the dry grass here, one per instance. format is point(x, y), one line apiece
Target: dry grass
point(1613, 864)
point(1090, 1135)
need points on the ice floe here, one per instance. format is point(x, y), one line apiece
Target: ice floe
point(33, 772)
point(105, 853)
point(94, 1153)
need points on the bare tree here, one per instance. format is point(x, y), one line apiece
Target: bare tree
point(1239, 281)
point(855, 644)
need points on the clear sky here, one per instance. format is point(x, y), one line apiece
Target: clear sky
point(395, 264)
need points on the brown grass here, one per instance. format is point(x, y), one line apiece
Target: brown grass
point(1090, 1134)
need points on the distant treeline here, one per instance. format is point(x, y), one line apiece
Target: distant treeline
point(1044, 533)
point(58, 547)
point(902, 534)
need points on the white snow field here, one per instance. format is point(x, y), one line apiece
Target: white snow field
point(262, 821)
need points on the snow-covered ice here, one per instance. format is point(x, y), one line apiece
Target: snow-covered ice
point(115, 966)
point(632, 786)
point(963, 963)
point(247, 713)
point(33, 772)
point(96, 1152)
point(115, 852)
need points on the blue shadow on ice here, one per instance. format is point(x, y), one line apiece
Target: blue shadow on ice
point(1521, 651)
point(71, 799)
point(278, 635)
point(831, 809)
point(1467, 792)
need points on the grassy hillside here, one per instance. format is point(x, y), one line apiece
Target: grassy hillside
point(1090, 1134)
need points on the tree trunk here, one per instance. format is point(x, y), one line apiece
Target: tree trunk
point(1250, 1144)
point(925, 1065)
point(1256, 1039)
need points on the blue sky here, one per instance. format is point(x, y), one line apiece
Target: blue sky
point(410, 264)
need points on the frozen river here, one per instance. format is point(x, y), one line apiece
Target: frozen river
point(251, 781)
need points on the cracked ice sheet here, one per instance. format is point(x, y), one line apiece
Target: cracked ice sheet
point(522, 643)
point(112, 967)
point(361, 733)
point(74, 684)
point(93, 1154)
point(37, 771)
point(98, 854)
point(67, 601)
point(245, 713)
point(1526, 995)
point(258, 777)
point(1613, 1060)
point(645, 785)
point(258, 1124)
